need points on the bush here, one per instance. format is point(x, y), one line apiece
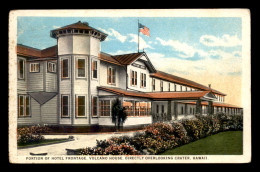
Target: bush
point(109, 148)
point(159, 137)
point(33, 134)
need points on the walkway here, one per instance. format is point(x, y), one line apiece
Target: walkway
point(81, 141)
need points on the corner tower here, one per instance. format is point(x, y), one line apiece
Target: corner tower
point(78, 51)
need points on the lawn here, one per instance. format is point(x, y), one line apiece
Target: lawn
point(42, 143)
point(225, 143)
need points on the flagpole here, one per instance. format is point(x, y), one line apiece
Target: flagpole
point(138, 34)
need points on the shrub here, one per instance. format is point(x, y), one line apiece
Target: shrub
point(159, 137)
point(194, 128)
point(33, 134)
point(160, 131)
point(180, 134)
point(110, 149)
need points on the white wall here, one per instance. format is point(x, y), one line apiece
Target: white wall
point(120, 75)
point(139, 71)
point(130, 121)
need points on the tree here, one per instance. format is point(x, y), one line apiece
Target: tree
point(118, 113)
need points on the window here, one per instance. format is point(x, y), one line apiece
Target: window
point(161, 85)
point(182, 110)
point(80, 106)
point(80, 65)
point(143, 80)
point(65, 68)
point(64, 106)
point(24, 106)
point(94, 69)
point(175, 87)
point(162, 108)
point(104, 107)
point(21, 69)
point(133, 78)
point(51, 67)
point(157, 108)
point(34, 67)
point(181, 88)
point(111, 77)
point(137, 108)
point(169, 86)
point(153, 84)
point(190, 110)
point(94, 106)
point(186, 88)
point(128, 105)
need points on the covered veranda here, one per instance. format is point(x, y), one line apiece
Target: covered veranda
point(164, 106)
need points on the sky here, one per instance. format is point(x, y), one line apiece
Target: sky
point(205, 50)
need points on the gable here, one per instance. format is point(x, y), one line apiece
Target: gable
point(144, 60)
point(210, 95)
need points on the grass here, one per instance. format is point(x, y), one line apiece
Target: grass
point(42, 143)
point(225, 143)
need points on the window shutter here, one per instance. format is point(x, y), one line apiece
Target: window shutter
point(62, 68)
point(92, 105)
point(113, 75)
point(107, 75)
point(141, 80)
point(93, 65)
point(131, 77)
point(76, 106)
point(135, 78)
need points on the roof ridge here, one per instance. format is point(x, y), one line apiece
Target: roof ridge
point(27, 46)
point(128, 54)
point(192, 82)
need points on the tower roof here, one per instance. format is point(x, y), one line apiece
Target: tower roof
point(78, 28)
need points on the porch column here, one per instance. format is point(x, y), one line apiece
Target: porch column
point(210, 106)
point(169, 111)
point(175, 107)
point(198, 107)
point(186, 110)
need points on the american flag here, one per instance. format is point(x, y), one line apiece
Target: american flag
point(143, 29)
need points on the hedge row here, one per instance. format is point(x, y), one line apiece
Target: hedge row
point(159, 137)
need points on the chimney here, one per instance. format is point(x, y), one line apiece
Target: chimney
point(209, 86)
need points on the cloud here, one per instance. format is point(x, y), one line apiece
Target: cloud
point(224, 41)
point(114, 34)
point(56, 27)
point(225, 64)
point(185, 50)
point(142, 43)
point(117, 35)
point(120, 52)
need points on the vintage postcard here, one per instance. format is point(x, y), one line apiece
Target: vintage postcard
point(130, 86)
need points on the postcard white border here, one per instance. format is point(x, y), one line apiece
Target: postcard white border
point(246, 79)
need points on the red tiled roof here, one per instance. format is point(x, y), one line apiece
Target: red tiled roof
point(81, 26)
point(50, 52)
point(176, 79)
point(108, 58)
point(156, 95)
point(126, 59)
point(123, 92)
point(77, 25)
point(215, 104)
point(177, 95)
point(28, 51)
point(36, 53)
point(166, 95)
